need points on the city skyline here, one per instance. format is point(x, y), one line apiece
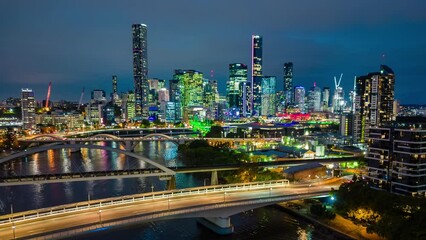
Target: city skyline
point(349, 38)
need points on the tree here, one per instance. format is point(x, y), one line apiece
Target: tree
point(145, 123)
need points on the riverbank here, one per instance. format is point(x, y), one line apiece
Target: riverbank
point(338, 228)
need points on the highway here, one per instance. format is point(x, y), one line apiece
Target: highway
point(86, 216)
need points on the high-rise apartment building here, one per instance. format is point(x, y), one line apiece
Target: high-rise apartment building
point(235, 85)
point(256, 76)
point(373, 101)
point(140, 69)
point(268, 95)
point(28, 108)
point(288, 83)
point(396, 156)
point(299, 97)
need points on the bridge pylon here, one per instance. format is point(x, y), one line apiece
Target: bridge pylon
point(171, 183)
point(219, 225)
point(214, 179)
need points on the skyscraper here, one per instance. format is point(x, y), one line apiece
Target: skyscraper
point(256, 76)
point(175, 112)
point(299, 97)
point(140, 69)
point(235, 84)
point(190, 84)
point(28, 108)
point(114, 95)
point(268, 95)
point(114, 84)
point(325, 98)
point(314, 99)
point(288, 83)
point(373, 101)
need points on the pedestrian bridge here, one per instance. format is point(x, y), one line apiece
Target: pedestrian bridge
point(214, 203)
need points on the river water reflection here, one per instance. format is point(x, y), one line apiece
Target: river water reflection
point(267, 222)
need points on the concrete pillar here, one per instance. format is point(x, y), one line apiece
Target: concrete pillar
point(171, 183)
point(213, 178)
point(219, 225)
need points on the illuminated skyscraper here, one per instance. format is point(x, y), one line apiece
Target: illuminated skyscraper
point(114, 95)
point(325, 98)
point(256, 76)
point(28, 108)
point(210, 98)
point(140, 69)
point(190, 84)
point(175, 112)
point(288, 83)
point(268, 95)
point(314, 99)
point(373, 101)
point(235, 85)
point(299, 97)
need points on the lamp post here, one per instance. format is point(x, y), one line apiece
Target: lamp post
point(224, 197)
point(88, 199)
point(13, 221)
point(152, 191)
point(270, 192)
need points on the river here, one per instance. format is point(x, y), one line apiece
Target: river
point(267, 222)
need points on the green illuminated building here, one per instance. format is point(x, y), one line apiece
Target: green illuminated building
point(190, 85)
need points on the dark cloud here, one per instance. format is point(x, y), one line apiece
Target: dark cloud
point(78, 44)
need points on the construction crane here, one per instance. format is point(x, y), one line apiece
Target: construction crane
point(46, 107)
point(81, 98)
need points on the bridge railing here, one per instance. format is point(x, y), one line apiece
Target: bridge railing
point(168, 213)
point(97, 204)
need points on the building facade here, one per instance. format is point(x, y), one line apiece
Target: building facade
point(235, 85)
point(397, 156)
point(256, 79)
point(288, 83)
point(373, 101)
point(140, 69)
point(268, 95)
point(190, 85)
point(28, 108)
point(299, 98)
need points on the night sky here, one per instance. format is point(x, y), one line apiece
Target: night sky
point(76, 44)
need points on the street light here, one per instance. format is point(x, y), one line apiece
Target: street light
point(13, 221)
point(100, 213)
point(152, 191)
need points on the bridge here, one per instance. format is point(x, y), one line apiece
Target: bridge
point(14, 180)
point(214, 203)
point(129, 143)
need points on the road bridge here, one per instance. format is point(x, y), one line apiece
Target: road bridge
point(13, 180)
point(214, 203)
